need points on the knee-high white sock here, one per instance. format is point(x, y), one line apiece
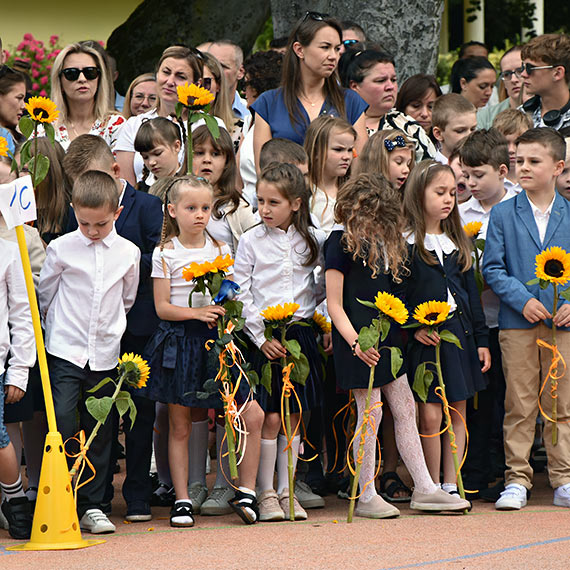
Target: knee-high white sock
point(266, 470)
point(282, 462)
point(160, 444)
point(223, 472)
point(197, 451)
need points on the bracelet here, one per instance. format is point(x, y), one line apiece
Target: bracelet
point(353, 347)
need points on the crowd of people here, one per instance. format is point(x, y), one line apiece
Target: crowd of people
point(328, 184)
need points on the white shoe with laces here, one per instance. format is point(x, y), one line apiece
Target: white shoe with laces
point(95, 521)
point(562, 496)
point(513, 498)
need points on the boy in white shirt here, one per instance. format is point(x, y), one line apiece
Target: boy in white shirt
point(16, 338)
point(87, 285)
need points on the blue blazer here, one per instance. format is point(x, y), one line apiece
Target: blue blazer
point(510, 250)
point(139, 222)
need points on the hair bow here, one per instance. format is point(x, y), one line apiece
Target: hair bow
point(392, 144)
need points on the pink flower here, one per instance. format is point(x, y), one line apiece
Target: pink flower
point(35, 86)
point(35, 73)
point(44, 80)
point(40, 55)
point(53, 40)
point(48, 67)
point(28, 37)
point(43, 93)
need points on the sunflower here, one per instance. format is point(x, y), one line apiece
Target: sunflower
point(432, 313)
point(136, 376)
point(193, 96)
point(42, 109)
point(472, 229)
point(3, 147)
point(391, 307)
point(322, 323)
point(280, 312)
point(195, 270)
point(223, 263)
point(553, 264)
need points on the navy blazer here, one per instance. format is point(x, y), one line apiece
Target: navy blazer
point(140, 222)
point(511, 247)
point(431, 282)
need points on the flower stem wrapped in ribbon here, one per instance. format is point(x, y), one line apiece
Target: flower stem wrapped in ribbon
point(390, 310)
point(553, 268)
point(295, 368)
point(197, 102)
point(432, 314)
point(133, 372)
point(472, 229)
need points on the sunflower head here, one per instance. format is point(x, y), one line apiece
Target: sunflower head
point(553, 265)
point(278, 314)
point(432, 313)
point(472, 229)
point(222, 263)
point(322, 323)
point(134, 369)
point(391, 307)
point(3, 147)
point(193, 96)
point(42, 109)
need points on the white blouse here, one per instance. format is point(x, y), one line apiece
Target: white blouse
point(322, 208)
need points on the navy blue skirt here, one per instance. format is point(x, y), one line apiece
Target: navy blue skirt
point(311, 394)
point(180, 364)
point(461, 369)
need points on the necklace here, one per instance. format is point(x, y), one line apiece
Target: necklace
point(307, 100)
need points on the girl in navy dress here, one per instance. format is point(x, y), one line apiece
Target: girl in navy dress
point(176, 353)
point(440, 270)
point(364, 256)
point(275, 264)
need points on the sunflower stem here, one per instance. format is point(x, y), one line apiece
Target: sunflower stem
point(34, 170)
point(189, 150)
point(290, 472)
point(552, 380)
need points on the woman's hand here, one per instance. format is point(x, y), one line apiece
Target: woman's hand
point(422, 335)
point(370, 357)
point(273, 349)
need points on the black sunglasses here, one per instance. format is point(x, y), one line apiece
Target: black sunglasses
point(529, 68)
point(73, 73)
point(317, 16)
point(207, 83)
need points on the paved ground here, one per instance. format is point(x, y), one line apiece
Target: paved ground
point(538, 535)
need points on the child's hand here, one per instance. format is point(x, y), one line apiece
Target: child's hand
point(13, 394)
point(484, 358)
point(562, 317)
point(422, 335)
point(273, 349)
point(209, 314)
point(327, 343)
point(535, 311)
point(370, 357)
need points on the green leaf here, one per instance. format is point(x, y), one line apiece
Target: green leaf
point(266, 376)
point(99, 408)
point(216, 283)
point(212, 125)
point(179, 109)
point(301, 370)
point(202, 395)
point(238, 322)
point(422, 381)
point(196, 116)
point(544, 283)
point(480, 244)
point(384, 329)
point(448, 336)
point(293, 347)
point(368, 337)
point(233, 308)
point(210, 386)
point(132, 413)
point(101, 384)
point(396, 360)
point(26, 126)
point(367, 304)
point(412, 325)
point(40, 164)
point(268, 333)
point(122, 402)
point(50, 132)
point(226, 338)
point(479, 281)
point(253, 378)
point(566, 294)
point(25, 154)
point(533, 281)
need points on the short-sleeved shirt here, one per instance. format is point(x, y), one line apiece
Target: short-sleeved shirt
point(270, 106)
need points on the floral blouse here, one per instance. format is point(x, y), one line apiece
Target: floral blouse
point(107, 128)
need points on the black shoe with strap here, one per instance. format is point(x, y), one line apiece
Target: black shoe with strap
point(18, 513)
point(181, 514)
point(245, 505)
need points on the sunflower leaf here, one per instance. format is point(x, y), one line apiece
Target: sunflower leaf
point(25, 153)
point(39, 166)
point(253, 379)
point(195, 117)
point(268, 333)
point(384, 329)
point(412, 325)
point(480, 244)
point(396, 360)
point(233, 308)
point(422, 381)
point(238, 322)
point(202, 395)
point(544, 283)
point(26, 126)
point(479, 281)
point(566, 294)
point(210, 386)
point(293, 347)
point(132, 413)
point(367, 304)
point(50, 132)
point(212, 125)
point(266, 376)
point(448, 336)
point(533, 281)
point(179, 108)
point(101, 384)
point(122, 402)
point(99, 408)
point(368, 337)
point(301, 370)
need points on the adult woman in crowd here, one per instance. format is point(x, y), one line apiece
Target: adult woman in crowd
point(372, 74)
point(80, 89)
point(141, 96)
point(474, 78)
point(309, 86)
point(12, 104)
point(416, 98)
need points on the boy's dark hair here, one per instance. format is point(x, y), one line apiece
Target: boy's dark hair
point(448, 105)
point(95, 189)
point(456, 150)
point(277, 43)
point(84, 151)
point(511, 121)
point(282, 150)
point(487, 146)
point(552, 49)
point(464, 47)
point(549, 138)
point(348, 25)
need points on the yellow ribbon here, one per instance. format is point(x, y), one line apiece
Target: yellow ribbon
point(80, 461)
point(553, 375)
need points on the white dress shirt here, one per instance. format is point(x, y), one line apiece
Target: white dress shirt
point(269, 269)
point(86, 289)
point(322, 207)
point(541, 218)
point(16, 329)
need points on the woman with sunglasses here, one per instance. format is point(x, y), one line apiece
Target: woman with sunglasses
point(80, 89)
point(309, 87)
point(12, 100)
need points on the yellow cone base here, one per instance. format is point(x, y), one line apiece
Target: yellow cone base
point(55, 526)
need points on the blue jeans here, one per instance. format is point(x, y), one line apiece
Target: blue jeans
point(4, 439)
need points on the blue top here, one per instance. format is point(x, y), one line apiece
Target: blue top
point(270, 106)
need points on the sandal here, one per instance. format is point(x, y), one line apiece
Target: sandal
point(388, 491)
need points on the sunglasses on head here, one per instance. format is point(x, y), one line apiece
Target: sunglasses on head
point(317, 16)
point(73, 73)
point(529, 68)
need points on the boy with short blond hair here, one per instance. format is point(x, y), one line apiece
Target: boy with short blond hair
point(453, 119)
point(519, 229)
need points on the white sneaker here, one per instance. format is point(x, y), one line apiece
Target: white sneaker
point(562, 496)
point(306, 497)
point(95, 521)
point(512, 498)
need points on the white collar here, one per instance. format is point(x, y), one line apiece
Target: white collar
point(536, 212)
point(108, 240)
point(433, 242)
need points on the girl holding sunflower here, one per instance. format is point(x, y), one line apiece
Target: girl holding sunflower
point(363, 259)
point(440, 270)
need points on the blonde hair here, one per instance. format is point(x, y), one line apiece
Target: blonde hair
point(144, 78)
point(222, 106)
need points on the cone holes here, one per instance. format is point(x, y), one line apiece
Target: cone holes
point(74, 526)
point(68, 488)
point(46, 489)
point(48, 448)
point(44, 528)
point(60, 449)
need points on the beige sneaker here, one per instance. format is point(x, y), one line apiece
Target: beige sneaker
point(438, 501)
point(300, 513)
point(269, 508)
point(376, 508)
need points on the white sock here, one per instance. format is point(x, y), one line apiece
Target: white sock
point(13, 490)
point(182, 519)
point(197, 451)
point(266, 470)
point(223, 472)
point(282, 461)
point(449, 487)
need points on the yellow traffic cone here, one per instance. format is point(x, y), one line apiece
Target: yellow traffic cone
point(56, 526)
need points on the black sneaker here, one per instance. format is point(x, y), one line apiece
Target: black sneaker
point(138, 511)
point(163, 496)
point(245, 505)
point(18, 513)
point(181, 514)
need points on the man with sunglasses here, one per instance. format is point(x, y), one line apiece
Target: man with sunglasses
point(352, 34)
point(545, 72)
